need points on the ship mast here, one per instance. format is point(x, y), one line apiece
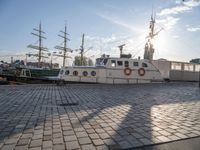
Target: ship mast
point(64, 48)
point(149, 47)
point(40, 48)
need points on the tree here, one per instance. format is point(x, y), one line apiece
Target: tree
point(90, 62)
point(86, 61)
point(77, 61)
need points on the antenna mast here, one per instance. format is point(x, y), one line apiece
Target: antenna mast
point(149, 47)
point(39, 47)
point(121, 49)
point(64, 48)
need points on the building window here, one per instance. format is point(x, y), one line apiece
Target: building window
point(120, 63)
point(136, 64)
point(126, 64)
point(144, 65)
point(113, 63)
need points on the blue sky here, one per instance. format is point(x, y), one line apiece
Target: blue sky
point(106, 24)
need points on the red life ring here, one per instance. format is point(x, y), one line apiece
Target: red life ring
point(127, 71)
point(141, 71)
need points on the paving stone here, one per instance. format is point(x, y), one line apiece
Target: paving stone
point(23, 141)
point(35, 148)
point(36, 143)
point(84, 140)
point(58, 147)
point(8, 147)
point(125, 145)
point(21, 147)
point(81, 134)
point(58, 141)
point(94, 136)
point(163, 138)
point(88, 147)
point(104, 135)
point(72, 145)
point(11, 141)
point(98, 142)
point(46, 144)
point(102, 147)
point(70, 138)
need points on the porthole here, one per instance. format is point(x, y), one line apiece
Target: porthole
point(93, 73)
point(67, 72)
point(75, 73)
point(85, 73)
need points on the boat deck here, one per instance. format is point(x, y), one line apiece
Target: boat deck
point(96, 116)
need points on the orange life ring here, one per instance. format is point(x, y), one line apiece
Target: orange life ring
point(127, 71)
point(141, 71)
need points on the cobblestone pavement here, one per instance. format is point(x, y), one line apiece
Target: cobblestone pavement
point(97, 116)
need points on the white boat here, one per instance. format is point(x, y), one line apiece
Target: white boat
point(113, 71)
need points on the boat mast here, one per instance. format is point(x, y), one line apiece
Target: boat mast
point(149, 47)
point(121, 49)
point(40, 48)
point(64, 48)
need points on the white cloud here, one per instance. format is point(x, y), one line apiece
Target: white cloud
point(168, 22)
point(120, 22)
point(193, 29)
point(192, 3)
point(180, 8)
point(174, 10)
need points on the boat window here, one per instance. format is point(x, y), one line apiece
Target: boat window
point(101, 61)
point(113, 63)
point(75, 73)
point(120, 63)
point(28, 73)
point(175, 66)
point(144, 65)
point(188, 67)
point(93, 73)
point(67, 72)
point(135, 63)
point(197, 67)
point(126, 64)
point(61, 71)
point(85, 73)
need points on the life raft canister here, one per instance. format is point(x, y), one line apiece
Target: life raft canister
point(127, 71)
point(141, 71)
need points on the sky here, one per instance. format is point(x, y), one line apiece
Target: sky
point(106, 25)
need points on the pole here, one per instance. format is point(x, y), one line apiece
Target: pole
point(199, 78)
point(82, 50)
point(40, 44)
point(65, 45)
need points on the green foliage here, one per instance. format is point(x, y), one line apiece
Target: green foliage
point(86, 61)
